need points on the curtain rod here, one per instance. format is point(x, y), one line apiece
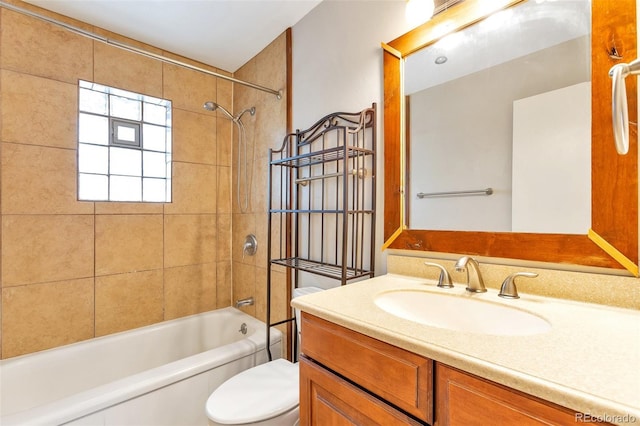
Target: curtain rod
point(277, 93)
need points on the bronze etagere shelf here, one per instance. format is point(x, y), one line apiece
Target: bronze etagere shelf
point(322, 194)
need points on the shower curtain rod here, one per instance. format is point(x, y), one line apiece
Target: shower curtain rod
point(277, 93)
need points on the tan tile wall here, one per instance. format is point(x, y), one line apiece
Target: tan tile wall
point(263, 131)
point(75, 270)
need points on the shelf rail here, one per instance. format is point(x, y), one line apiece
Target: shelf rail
point(486, 191)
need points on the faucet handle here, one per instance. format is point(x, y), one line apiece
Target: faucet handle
point(250, 245)
point(508, 289)
point(444, 280)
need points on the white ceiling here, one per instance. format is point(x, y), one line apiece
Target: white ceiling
point(525, 28)
point(222, 33)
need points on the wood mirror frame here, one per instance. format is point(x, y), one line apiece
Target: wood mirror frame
point(612, 241)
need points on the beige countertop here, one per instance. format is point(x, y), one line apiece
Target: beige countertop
point(589, 360)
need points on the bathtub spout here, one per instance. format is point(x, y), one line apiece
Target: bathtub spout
point(244, 302)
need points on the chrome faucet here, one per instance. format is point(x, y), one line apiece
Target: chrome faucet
point(245, 302)
point(475, 284)
point(444, 280)
point(508, 289)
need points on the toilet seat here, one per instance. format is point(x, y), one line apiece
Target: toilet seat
point(256, 394)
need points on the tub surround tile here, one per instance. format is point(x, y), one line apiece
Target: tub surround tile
point(189, 290)
point(279, 302)
point(38, 248)
point(224, 88)
point(260, 296)
point(129, 208)
point(127, 243)
point(43, 316)
point(52, 189)
point(223, 284)
point(226, 135)
point(225, 233)
point(38, 111)
point(116, 67)
point(244, 95)
point(189, 239)
point(188, 89)
point(268, 128)
point(194, 137)
point(273, 69)
point(259, 189)
point(278, 248)
point(127, 301)
point(194, 189)
point(226, 190)
point(35, 47)
point(261, 234)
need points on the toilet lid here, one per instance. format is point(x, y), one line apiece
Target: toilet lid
point(258, 393)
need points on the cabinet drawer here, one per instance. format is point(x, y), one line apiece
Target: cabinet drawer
point(326, 399)
point(402, 378)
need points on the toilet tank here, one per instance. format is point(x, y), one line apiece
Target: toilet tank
point(301, 291)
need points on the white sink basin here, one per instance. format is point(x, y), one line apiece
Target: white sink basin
point(460, 313)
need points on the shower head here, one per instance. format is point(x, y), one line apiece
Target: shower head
point(212, 106)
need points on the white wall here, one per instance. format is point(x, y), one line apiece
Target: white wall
point(337, 66)
point(552, 162)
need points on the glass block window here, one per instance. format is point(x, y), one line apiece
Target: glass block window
point(124, 145)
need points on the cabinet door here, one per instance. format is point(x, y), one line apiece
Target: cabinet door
point(466, 400)
point(402, 378)
point(328, 400)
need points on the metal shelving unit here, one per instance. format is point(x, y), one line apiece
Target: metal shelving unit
point(321, 199)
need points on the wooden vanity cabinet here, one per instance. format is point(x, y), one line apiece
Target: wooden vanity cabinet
point(347, 378)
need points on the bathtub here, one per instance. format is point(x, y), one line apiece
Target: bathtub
point(156, 375)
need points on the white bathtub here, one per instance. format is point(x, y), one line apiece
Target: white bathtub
point(156, 375)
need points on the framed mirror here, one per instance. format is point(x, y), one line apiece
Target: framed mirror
point(605, 236)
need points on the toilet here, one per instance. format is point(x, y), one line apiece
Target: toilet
point(267, 394)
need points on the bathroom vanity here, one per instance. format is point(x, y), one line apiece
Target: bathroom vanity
point(364, 365)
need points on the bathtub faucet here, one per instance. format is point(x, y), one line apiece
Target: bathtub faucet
point(244, 302)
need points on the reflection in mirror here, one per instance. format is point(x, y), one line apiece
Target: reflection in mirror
point(503, 104)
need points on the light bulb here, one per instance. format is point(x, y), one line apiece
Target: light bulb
point(419, 11)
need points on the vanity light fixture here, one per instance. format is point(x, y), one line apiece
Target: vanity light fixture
point(419, 11)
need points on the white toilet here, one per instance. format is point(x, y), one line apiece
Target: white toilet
point(268, 394)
